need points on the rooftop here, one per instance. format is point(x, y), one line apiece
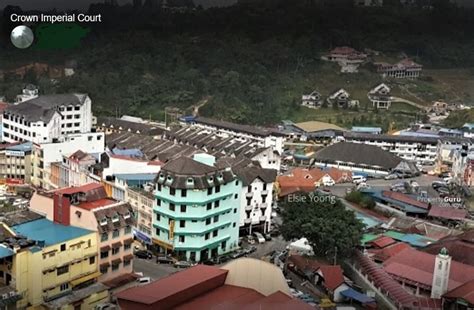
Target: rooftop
point(49, 232)
point(313, 126)
point(253, 130)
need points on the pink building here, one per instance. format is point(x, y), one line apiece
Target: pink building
point(89, 207)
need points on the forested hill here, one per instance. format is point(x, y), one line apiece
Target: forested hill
point(254, 61)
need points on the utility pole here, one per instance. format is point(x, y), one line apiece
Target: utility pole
point(335, 255)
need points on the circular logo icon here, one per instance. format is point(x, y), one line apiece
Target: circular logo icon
point(22, 37)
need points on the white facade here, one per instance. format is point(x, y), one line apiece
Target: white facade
point(422, 151)
point(441, 271)
point(47, 153)
point(256, 202)
point(268, 159)
point(29, 92)
point(16, 128)
point(76, 118)
point(120, 165)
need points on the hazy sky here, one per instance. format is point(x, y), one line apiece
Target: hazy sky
point(84, 4)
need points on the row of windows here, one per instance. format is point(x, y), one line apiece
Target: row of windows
point(115, 251)
point(183, 208)
point(115, 267)
point(69, 125)
point(20, 130)
point(115, 233)
point(184, 192)
point(70, 116)
point(65, 269)
point(70, 108)
point(182, 238)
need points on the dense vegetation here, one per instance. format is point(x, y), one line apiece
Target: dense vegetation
point(326, 224)
point(362, 200)
point(252, 62)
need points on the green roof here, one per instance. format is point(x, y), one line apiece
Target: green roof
point(366, 238)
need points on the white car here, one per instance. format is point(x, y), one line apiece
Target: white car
point(296, 293)
point(357, 179)
point(329, 183)
point(392, 176)
point(259, 237)
point(143, 280)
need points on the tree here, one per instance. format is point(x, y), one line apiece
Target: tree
point(324, 221)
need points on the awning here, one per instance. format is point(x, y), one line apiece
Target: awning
point(105, 248)
point(128, 258)
point(128, 241)
point(355, 295)
point(85, 278)
point(116, 261)
point(5, 252)
point(104, 265)
point(116, 245)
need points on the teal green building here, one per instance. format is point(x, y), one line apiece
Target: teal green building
point(197, 208)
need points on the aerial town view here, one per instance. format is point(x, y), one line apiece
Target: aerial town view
point(237, 154)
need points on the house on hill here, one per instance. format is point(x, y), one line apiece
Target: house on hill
point(347, 57)
point(313, 100)
point(380, 96)
point(404, 69)
point(341, 99)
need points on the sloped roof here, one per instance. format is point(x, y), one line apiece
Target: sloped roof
point(405, 199)
point(448, 213)
point(247, 170)
point(390, 251)
point(312, 126)
point(188, 166)
point(461, 247)
point(465, 292)
point(359, 154)
point(333, 276)
point(383, 241)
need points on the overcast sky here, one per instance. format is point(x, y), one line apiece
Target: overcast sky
point(84, 4)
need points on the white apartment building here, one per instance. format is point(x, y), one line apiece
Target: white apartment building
point(29, 92)
point(47, 153)
point(44, 119)
point(422, 150)
point(119, 164)
point(142, 202)
point(264, 137)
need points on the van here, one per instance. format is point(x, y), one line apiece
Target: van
point(357, 179)
point(143, 280)
point(259, 237)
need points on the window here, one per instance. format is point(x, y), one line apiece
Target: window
point(158, 202)
point(172, 191)
point(216, 204)
point(209, 191)
point(182, 224)
point(104, 254)
point(249, 189)
point(63, 247)
point(216, 218)
point(116, 233)
point(126, 263)
point(181, 238)
point(103, 269)
point(183, 208)
point(172, 207)
point(64, 287)
point(183, 193)
point(264, 186)
point(208, 221)
point(214, 233)
point(157, 231)
point(223, 244)
point(235, 210)
point(218, 188)
point(115, 251)
point(237, 182)
point(236, 196)
point(69, 117)
point(206, 237)
point(62, 270)
point(233, 224)
point(127, 247)
point(91, 260)
point(115, 267)
point(158, 217)
point(77, 124)
point(104, 236)
point(128, 229)
point(89, 138)
point(77, 108)
point(209, 206)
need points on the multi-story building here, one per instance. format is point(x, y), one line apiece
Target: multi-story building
point(15, 162)
point(51, 265)
point(143, 203)
point(197, 208)
point(45, 119)
point(256, 194)
point(30, 91)
point(313, 100)
point(419, 149)
point(45, 154)
point(447, 150)
point(463, 166)
point(405, 68)
point(264, 137)
point(88, 207)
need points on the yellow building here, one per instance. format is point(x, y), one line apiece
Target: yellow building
point(58, 271)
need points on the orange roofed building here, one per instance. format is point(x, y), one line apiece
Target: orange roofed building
point(89, 207)
point(243, 284)
point(307, 180)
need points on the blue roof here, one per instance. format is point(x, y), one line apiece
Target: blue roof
point(136, 176)
point(355, 295)
point(366, 129)
point(367, 220)
point(5, 252)
point(24, 147)
point(128, 152)
point(49, 232)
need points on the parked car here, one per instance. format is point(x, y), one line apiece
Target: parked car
point(259, 237)
point(143, 280)
point(274, 214)
point(438, 184)
point(250, 239)
point(392, 176)
point(144, 254)
point(250, 250)
point(165, 260)
point(183, 264)
point(106, 306)
point(329, 183)
point(267, 237)
point(357, 179)
point(296, 293)
point(237, 254)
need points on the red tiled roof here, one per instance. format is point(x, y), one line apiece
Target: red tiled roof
point(447, 213)
point(461, 247)
point(416, 266)
point(79, 189)
point(344, 50)
point(303, 263)
point(96, 204)
point(383, 241)
point(390, 251)
point(405, 199)
point(465, 291)
point(169, 292)
point(333, 276)
point(120, 280)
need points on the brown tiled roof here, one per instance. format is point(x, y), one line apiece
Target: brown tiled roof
point(448, 213)
point(247, 170)
point(108, 214)
point(405, 199)
point(390, 251)
point(465, 292)
point(383, 241)
point(460, 248)
point(333, 276)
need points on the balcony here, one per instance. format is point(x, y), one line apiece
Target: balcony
point(263, 205)
point(249, 195)
point(247, 221)
point(265, 192)
point(263, 218)
point(248, 208)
